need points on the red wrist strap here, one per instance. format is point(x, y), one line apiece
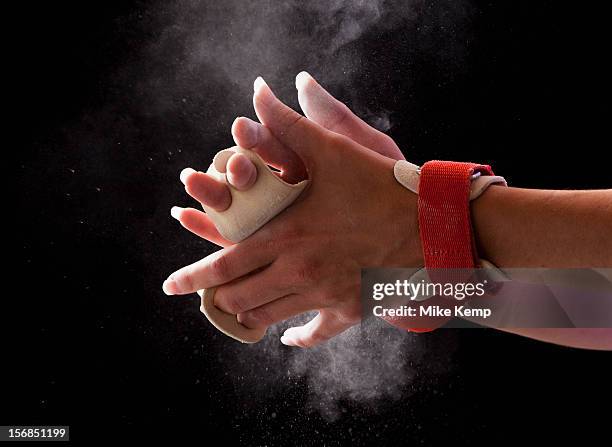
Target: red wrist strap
point(444, 215)
point(445, 225)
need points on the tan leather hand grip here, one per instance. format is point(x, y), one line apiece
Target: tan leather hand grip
point(249, 211)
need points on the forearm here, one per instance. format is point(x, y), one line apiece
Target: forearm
point(537, 228)
point(540, 228)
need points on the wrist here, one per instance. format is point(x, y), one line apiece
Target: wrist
point(486, 211)
point(404, 244)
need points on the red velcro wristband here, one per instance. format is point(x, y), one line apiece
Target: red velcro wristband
point(444, 215)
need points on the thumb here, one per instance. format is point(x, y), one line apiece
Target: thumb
point(322, 108)
point(289, 127)
point(318, 330)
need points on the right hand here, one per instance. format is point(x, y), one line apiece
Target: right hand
point(318, 106)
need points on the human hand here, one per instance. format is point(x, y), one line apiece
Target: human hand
point(320, 107)
point(310, 257)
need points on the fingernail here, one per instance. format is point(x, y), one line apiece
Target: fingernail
point(259, 83)
point(302, 79)
point(169, 287)
point(284, 340)
point(185, 173)
point(264, 96)
point(175, 212)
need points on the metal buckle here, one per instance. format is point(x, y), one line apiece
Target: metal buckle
point(474, 176)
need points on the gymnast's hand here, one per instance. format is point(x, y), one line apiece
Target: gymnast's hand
point(308, 258)
point(318, 106)
point(353, 215)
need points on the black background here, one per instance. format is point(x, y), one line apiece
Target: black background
point(91, 342)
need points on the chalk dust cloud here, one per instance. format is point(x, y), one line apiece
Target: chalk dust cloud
point(200, 68)
point(211, 52)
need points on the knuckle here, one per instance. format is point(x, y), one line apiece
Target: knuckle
point(337, 140)
point(258, 317)
point(220, 269)
point(306, 272)
point(233, 304)
point(292, 118)
point(265, 240)
point(215, 196)
point(341, 146)
point(341, 115)
point(185, 279)
point(387, 140)
point(291, 233)
point(271, 244)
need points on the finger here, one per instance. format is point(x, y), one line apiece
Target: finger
point(241, 172)
point(206, 190)
point(254, 290)
point(322, 108)
point(276, 311)
point(252, 135)
point(220, 267)
point(199, 224)
point(318, 330)
point(291, 129)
